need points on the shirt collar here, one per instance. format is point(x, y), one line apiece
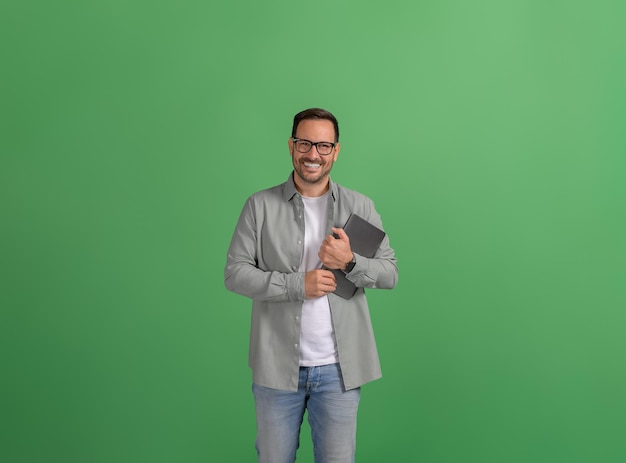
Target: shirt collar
point(290, 189)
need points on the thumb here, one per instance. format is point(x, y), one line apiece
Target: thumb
point(340, 233)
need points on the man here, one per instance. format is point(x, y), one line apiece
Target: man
point(309, 348)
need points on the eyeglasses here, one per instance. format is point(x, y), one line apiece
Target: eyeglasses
point(324, 148)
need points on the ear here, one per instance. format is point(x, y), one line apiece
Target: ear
point(290, 144)
point(337, 148)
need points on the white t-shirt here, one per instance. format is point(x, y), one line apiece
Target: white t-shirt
point(317, 337)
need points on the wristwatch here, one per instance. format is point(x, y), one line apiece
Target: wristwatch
point(350, 265)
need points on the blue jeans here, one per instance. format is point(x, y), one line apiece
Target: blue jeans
point(332, 417)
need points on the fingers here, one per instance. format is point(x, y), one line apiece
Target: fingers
point(335, 252)
point(326, 280)
point(319, 283)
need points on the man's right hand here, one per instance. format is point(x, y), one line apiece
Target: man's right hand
point(318, 283)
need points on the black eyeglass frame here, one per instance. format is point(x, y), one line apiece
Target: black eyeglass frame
point(296, 140)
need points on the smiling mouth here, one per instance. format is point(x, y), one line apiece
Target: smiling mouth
point(311, 165)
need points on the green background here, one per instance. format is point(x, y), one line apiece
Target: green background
point(490, 134)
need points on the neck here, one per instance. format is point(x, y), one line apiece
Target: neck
point(311, 190)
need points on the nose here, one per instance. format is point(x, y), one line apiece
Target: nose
point(313, 154)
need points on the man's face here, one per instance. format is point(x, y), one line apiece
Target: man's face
point(311, 167)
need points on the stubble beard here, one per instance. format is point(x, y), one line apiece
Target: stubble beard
point(322, 176)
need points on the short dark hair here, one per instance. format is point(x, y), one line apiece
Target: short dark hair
point(315, 113)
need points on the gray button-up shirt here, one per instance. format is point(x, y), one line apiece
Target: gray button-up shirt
point(263, 261)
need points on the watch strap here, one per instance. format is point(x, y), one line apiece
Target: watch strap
point(350, 265)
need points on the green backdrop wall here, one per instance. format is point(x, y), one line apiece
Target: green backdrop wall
point(489, 133)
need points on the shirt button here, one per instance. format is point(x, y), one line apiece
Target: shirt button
point(294, 268)
point(296, 346)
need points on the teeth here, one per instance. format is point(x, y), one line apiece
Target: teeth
point(308, 164)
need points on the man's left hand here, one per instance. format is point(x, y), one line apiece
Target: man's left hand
point(335, 253)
